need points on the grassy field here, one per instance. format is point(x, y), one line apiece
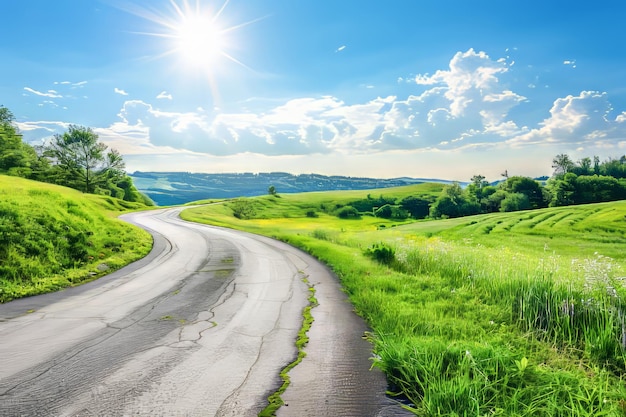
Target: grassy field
point(53, 237)
point(511, 314)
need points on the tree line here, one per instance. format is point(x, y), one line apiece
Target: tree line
point(585, 181)
point(75, 159)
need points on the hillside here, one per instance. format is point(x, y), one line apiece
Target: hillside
point(53, 237)
point(171, 188)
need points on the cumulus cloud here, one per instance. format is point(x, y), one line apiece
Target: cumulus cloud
point(576, 120)
point(120, 91)
point(49, 93)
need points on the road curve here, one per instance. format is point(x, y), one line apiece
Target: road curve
point(200, 327)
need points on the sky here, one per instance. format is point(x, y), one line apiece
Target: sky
point(402, 88)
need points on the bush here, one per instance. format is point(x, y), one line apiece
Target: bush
point(382, 253)
point(242, 209)
point(312, 214)
point(348, 212)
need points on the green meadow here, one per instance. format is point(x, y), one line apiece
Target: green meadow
point(510, 314)
point(53, 237)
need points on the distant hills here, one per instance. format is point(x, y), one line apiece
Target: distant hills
point(171, 188)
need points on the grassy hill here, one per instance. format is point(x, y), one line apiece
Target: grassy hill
point(516, 314)
point(53, 237)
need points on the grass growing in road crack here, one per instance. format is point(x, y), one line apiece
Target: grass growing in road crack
point(274, 400)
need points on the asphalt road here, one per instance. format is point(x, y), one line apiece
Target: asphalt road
point(200, 327)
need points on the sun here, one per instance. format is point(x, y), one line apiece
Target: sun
point(196, 32)
point(199, 41)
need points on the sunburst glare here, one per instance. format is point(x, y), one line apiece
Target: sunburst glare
point(196, 33)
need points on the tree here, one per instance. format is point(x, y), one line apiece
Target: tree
point(6, 119)
point(271, 190)
point(514, 202)
point(82, 162)
point(563, 190)
point(16, 157)
point(527, 186)
point(417, 207)
point(477, 186)
point(583, 167)
point(454, 202)
point(562, 164)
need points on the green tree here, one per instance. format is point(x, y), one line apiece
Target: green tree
point(16, 157)
point(417, 207)
point(562, 164)
point(493, 202)
point(271, 190)
point(454, 202)
point(583, 167)
point(81, 161)
point(563, 190)
point(529, 187)
point(515, 202)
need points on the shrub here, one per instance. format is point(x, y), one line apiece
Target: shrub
point(382, 253)
point(242, 209)
point(348, 212)
point(312, 214)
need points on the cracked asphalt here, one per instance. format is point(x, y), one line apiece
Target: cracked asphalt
point(200, 327)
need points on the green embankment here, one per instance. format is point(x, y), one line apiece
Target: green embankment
point(53, 237)
point(510, 314)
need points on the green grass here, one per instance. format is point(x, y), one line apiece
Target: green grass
point(53, 237)
point(511, 314)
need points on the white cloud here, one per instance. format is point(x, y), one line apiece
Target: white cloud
point(467, 106)
point(470, 107)
point(341, 48)
point(70, 83)
point(120, 91)
point(49, 93)
point(164, 95)
point(570, 62)
point(575, 120)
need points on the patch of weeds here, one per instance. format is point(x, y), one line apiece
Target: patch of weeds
point(223, 273)
point(274, 400)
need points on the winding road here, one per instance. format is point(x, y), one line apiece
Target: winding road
point(200, 327)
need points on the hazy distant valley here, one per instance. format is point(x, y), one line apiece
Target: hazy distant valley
point(169, 188)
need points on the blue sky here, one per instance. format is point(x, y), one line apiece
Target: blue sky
point(436, 89)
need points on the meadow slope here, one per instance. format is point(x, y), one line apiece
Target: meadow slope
point(512, 314)
point(52, 237)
